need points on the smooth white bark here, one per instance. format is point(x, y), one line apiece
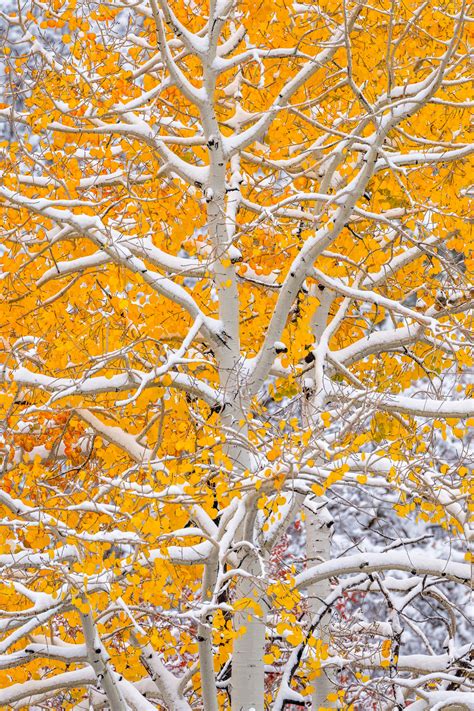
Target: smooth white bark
point(249, 646)
point(319, 525)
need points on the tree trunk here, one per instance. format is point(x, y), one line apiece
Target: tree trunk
point(319, 521)
point(206, 657)
point(248, 673)
point(319, 525)
point(99, 661)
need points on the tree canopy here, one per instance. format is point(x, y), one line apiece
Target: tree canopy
point(236, 346)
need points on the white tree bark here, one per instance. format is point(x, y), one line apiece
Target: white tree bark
point(319, 521)
point(319, 524)
point(99, 661)
point(249, 646)
point(206, 659)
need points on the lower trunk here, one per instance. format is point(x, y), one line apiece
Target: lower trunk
point(318, 548)
point(319, 522)
point(206, 657)
point(99, 661)
point(249, 646)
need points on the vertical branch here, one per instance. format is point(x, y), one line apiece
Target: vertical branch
point(206, 663)
point(319, 528)
point(249, 647)
point(99, 661)
point(319, 522)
